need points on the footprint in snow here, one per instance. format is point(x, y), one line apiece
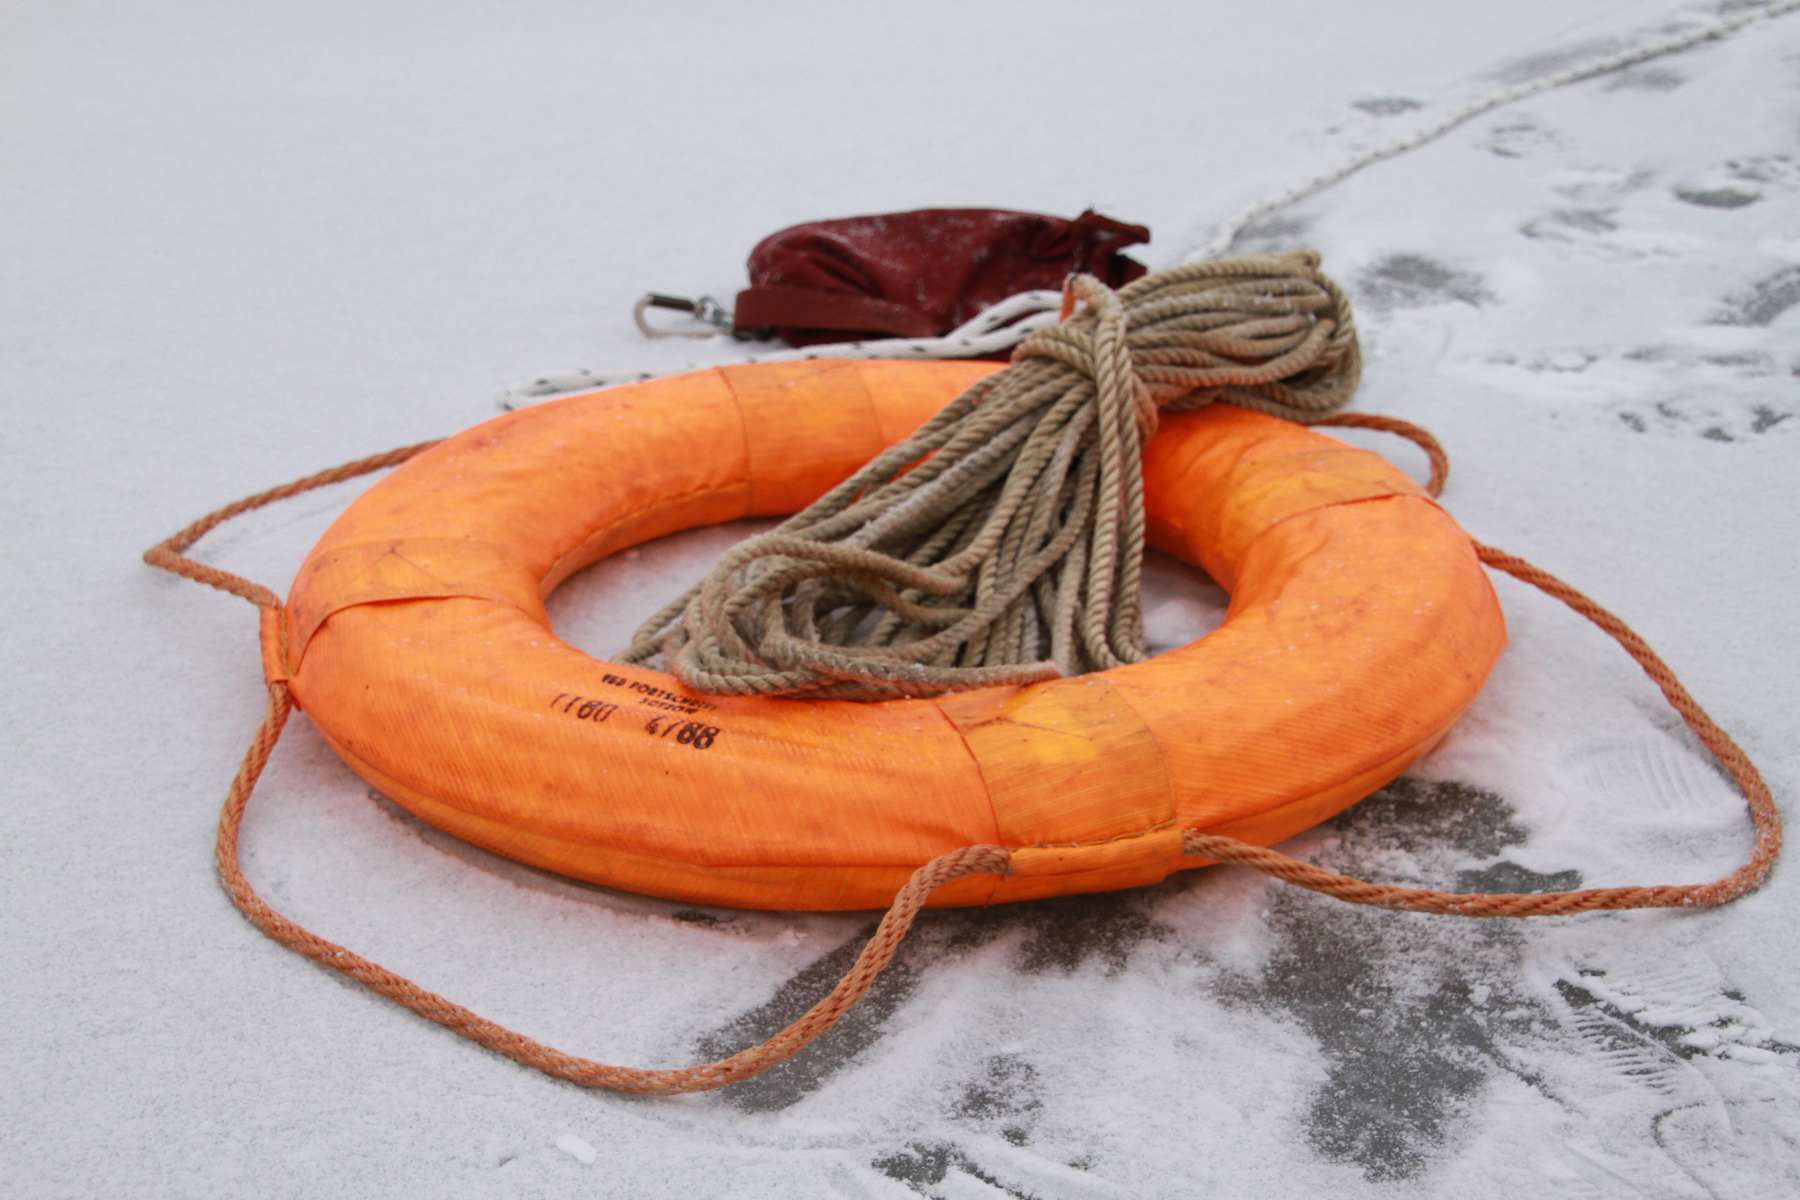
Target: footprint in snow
point(1599, 230)
point(1517, 138)
point(1720, 395)
point(1598, 184)
point(1706, 419)
point(938, 1168)
point(1684, 1085)
point(1761, 302)
point(1548, 62)
point(1647, 78)
point(1658, 771)
point(1562, 362)
point(1740, 182)
point(1387, 106)
point(1417, 281)
point(1275, 234)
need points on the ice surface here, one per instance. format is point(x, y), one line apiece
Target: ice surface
point(246, 241)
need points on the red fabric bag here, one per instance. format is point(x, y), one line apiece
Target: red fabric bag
point(919, 274)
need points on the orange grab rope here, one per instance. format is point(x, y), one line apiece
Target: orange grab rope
point(1262, 476)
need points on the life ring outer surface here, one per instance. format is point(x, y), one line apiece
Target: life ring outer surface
point(1361, 626)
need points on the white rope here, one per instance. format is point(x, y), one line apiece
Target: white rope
point(996, 328)
point(1007, 323)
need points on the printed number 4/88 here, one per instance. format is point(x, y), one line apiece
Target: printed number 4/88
point(688, 733)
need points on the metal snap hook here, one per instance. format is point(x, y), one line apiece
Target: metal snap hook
point(706, 309)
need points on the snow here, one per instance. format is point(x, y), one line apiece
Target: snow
point(246, 241)
point(577, 1148)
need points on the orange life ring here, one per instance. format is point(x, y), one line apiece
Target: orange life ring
point(1361, 627)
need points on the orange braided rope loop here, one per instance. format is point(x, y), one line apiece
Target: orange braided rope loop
point(969, 860)
point(167, 553)
point(1539, 904)
point(1434, 449)
point(875, 956)
point(1547, 904)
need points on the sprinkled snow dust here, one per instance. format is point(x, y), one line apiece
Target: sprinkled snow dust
point(255, 245)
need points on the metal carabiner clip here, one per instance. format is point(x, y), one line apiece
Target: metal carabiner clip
point(705, 309)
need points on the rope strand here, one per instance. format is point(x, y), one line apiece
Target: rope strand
point(969, 860)
point(875, 956)
point(168, 553)
point(1763, 813)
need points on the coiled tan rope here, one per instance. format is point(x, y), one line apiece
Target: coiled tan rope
point(1001, 543)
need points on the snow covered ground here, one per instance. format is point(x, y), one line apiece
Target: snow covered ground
point(244, 241)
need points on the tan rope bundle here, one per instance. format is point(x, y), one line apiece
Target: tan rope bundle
point(1002, 542)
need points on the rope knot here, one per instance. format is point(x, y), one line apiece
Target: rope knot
point(1094, 342)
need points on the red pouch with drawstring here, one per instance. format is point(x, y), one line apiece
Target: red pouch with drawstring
point(919, 274)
